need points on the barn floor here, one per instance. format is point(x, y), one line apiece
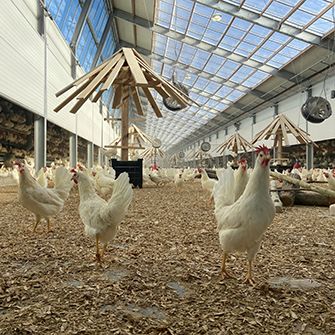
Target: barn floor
point(162, 273)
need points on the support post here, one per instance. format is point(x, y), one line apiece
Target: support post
point(280, 145)
point(90, 154)
point(73, 150)
point(309, 155)
point(39, 142)
point(124, 131)
point(309, 146)
point(100, 151)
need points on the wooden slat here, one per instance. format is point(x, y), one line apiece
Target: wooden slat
point(78, 104)
point(117, 96)
point(112, 76)
point(284, 133)
point(88, 75)
point(97, 80)
point(152, 102)
point(70, 97)
point(137, 101)
point(135, 68)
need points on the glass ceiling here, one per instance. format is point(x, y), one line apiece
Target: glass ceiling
point(208, 49)
point(214, 47)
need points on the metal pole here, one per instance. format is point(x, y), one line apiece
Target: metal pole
point(73, 150)
point(90, 155)
point(39, 143)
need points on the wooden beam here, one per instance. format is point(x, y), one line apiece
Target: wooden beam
point(97, 80)
point(135, 68)
point(70, 97)
point(110, 79)
point(124, 131)
point(137, 101)
point(117, 96)
point(152, 102)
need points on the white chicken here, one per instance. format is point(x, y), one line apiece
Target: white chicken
point(207, 183)
point(241, 224)
point(102, 218)
point(104, 182)
point(178, 179)
point(43, 202)
point(41, 177)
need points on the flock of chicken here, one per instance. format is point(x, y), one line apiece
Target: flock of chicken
point(242, 203)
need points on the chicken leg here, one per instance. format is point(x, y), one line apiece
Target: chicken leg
point(98, 256)
point(38, 220)
point(48, 221)
point(224, 273)
point(249, 278)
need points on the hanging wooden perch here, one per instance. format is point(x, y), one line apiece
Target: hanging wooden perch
point(280, 127)
point(128, 73)
point(235, 143)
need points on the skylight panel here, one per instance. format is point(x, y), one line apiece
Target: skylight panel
point(271, 45)
point(164, 19)
point(228, 69)
point(214, 63)
point(229, 43)
point(200, 59)
point(245, 49)
point(166, 6)
point(236, 33)
point(167, 71)
point(187, 4)
point(321, 26)
point(241, 24)
point(278, 10)
point(297, 44)
point(280, 38)
point(253, 39)
point(212, 87)
point(255, 4)
point(242, 73)
point(289, 52)
point(172, 49)
point(234, 95)
point(203, 10)
point(279, 60)
point(260, 31)
point(224, 91)
point(300, 18)
point(201, 83)
point(314, 6)
point(211, 37)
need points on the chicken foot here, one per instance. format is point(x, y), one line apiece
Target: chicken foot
point(224, 273)
point(249, 279)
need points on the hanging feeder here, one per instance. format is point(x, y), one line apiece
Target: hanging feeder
point(171, 103)
point(316, 109)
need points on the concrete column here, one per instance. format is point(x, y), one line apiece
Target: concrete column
point(90, 154)
point(39, 142)
point(73, 150)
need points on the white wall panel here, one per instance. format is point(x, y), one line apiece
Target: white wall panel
point(22, 70)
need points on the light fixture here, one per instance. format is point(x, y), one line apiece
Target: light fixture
point(216, 17)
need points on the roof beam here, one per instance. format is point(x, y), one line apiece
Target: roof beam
point(143, 51)
point(102, 42)
point(269, 23)
point(137, 20)
point(80, 24)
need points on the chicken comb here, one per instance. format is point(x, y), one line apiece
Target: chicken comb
point(262, 148)
point(242, 161)
point(73, 170)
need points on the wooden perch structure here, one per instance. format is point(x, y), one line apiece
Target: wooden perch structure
point(152, 153)
point(324, 191)
point(128, 74)
point(235, 143)
point(280, 127)
point(136, 139)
